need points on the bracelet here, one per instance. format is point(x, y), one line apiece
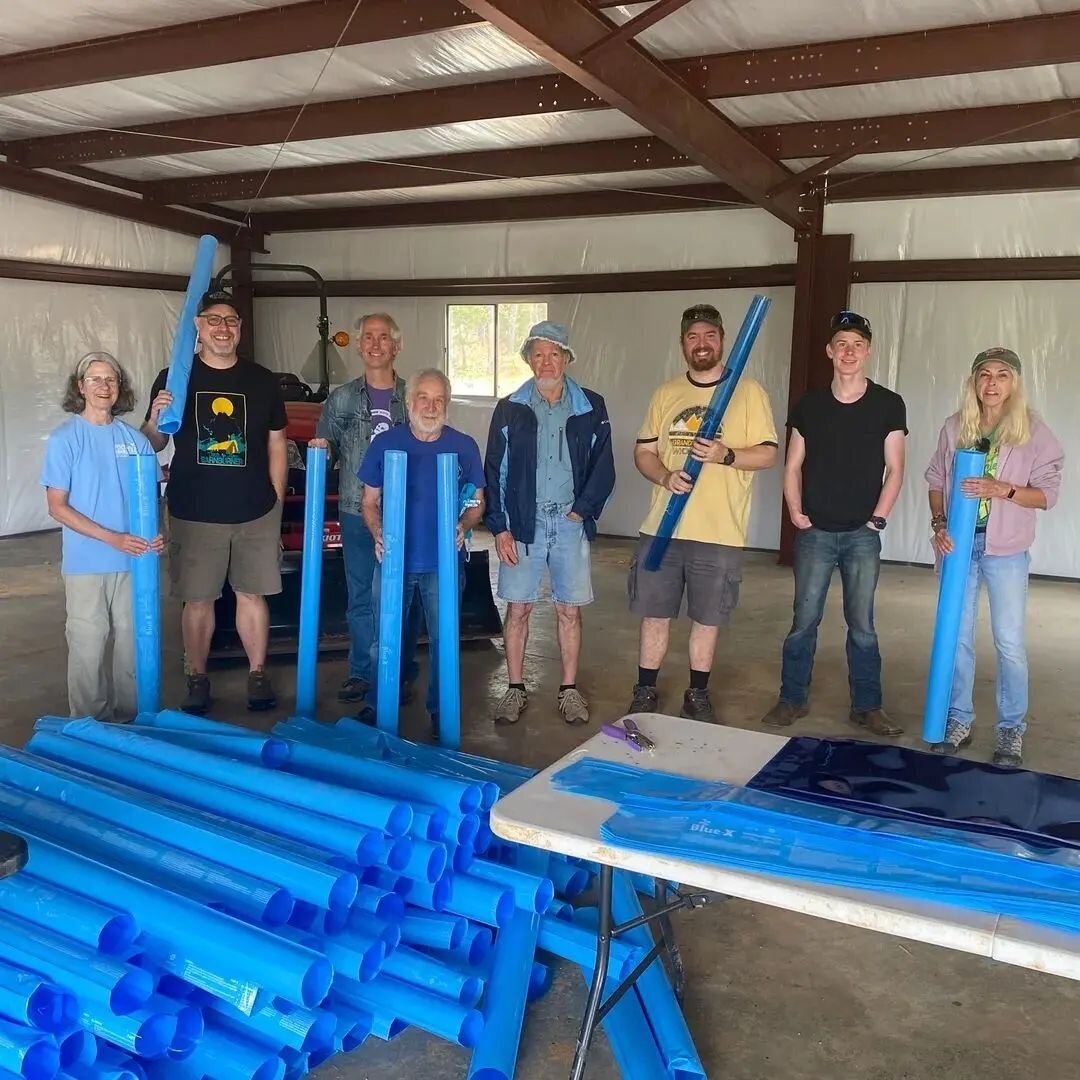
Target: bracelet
point(938, 519)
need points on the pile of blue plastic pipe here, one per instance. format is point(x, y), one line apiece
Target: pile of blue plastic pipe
point(201, 900)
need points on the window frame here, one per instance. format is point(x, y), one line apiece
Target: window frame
point(491, 303)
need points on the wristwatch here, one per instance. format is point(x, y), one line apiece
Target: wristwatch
point(879, 523)
point(1012, 492)
point(729, 457)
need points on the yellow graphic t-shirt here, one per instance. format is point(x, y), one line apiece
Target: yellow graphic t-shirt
point(718, 510)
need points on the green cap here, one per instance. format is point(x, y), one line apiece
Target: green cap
point(1002, 356)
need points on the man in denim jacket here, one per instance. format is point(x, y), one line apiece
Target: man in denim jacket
point(353, 415)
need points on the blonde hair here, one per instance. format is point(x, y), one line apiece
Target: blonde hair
point(1014, 428)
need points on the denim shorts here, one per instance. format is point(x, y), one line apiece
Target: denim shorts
point(560, 545)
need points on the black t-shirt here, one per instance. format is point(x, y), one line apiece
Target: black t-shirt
point(220, 470)
point(844, 469)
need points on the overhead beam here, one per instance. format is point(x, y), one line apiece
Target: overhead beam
point(35, 270)
point(1013, 43)
point(637, 25)
point(964, 180)
point(631, 80)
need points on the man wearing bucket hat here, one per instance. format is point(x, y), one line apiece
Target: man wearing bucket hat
point(550, 470)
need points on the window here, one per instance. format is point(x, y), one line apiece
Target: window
point(483, 346)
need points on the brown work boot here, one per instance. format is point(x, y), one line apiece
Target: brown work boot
point(784, 714)
point(198, 697)
point(877, 722)
point(260, 691)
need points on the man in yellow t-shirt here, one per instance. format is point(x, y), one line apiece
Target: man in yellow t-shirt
point(704, 559)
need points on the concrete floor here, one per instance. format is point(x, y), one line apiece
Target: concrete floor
point(770, 993)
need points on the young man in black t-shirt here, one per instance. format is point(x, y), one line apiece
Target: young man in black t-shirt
point(225, 493)
point(844, 471)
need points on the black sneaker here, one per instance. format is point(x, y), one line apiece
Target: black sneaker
point(645, 699)
point(696, 705)
point(198, 695)
point(260, 692)
point(354, 688)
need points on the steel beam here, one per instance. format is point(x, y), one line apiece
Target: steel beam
point(637, 25)
point(35, 270)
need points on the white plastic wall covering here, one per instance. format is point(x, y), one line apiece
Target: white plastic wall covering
point(925, 337)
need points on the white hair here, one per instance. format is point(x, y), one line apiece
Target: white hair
point(83, 365)
point(395, 330)
point(417, 377)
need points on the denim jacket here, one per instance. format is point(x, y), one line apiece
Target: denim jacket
point(345, 422)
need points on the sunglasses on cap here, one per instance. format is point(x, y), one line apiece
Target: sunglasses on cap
point(851, 320)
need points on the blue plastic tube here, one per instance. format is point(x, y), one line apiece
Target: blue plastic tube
point(576, 942)
point(30, 999)
point(495, 1056)
point(540, 979)
point(431, 895)
point(386, 1027)
point(531, 892)
point(391, 591)
point(415, 968)
point(250, 850)
point(227, 1055)
point(183, 346)
point(355, 954)
point(188, 1029)
point(429, 822)
point(26, 1052)
point(437, 1015)
point(77, 1047)
point(280, 1023)
point(710, 425)
point(447, 658)
point(482, 901)
point(378, 902)
point(476, 945)
point(955, 567)
point(142, 510)
point(632, 1042)
point(432, 930)
point(307, 652)
point(673, 1038)
point(146, 1033)
point(570, 881)
point(324, 799)
point(254, 747)
point(177, 720)
point(427, 862)
point(353, 1028)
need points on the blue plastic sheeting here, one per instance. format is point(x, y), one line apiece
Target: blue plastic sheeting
point(934, 789)
point(31, 999)
point(495, 1056)
point(183, 346)
point(144, 493)
point(447, 653)
point(26, 1052)
point(307, 652)
point(710, 425)
point(756, 831)
point(963, 514)
point(391, 591)
point(440, 1016)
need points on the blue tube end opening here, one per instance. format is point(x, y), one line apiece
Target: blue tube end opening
point(480, 946)
point(457, 933)
point(437, 823)
point(472, 798)
point(399, 820)
point(436, 864)
point(399, 853)
point(545, 894)
point(504, 909)
point(540, 979)
point(320, 1033)
point(468, 830)
point(316, 983)
point(441, 893)
point(464, 857)
point(483, 840)
point(371, 847)
point(390, 907)
point(472, 1027)
point(472, 990)
point(117, 934)
point(155, 1035)
point(78, 1048)
point(52, 1009)
point(343, 892)
point(132, 991)
point(489, 794)
point(371, 961)
point(276, 753)
point(279, 908)
point(190, 1025)
point(41, 1060)
point(273, 1068)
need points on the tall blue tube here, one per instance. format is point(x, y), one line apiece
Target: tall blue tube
point(710, 425)
point(447, 658)
point(495, 1056)
point(963, 514)
point(307, 652)
point(183, 346)
point(391, 590)
point(633, 1045)
point(142, 508)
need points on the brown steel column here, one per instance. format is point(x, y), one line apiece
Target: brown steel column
point(822, 286)
point(244, 296)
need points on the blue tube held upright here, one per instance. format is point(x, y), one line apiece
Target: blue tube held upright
point(183, 346)
point(391, 587)
point(307, 653)
point(710, 425)
point(447, 653)
point(963, 514)
point(143, 493)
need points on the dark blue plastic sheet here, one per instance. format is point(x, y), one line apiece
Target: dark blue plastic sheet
point(912, 785)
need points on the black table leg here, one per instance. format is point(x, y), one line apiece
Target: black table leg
point(673, 957)
point(596, 990)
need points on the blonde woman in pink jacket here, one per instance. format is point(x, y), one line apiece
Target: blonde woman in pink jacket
point(1023, 475)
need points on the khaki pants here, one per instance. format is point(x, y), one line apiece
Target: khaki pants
point(99, 616)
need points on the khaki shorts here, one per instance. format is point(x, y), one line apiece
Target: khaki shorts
point(203, 554)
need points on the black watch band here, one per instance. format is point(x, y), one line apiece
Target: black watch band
point(879, 523)
point(729, 457)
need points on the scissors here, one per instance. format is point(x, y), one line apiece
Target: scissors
point(629, 733)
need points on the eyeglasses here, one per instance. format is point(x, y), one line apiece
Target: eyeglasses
point(101, 380)
point(231, 321)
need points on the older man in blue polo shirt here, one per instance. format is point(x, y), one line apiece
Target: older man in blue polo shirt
point(549, 470)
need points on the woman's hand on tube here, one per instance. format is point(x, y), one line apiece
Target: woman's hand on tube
point(941, 541)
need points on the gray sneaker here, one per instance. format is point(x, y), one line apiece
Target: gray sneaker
point(574, 708)
point(957, 736)
point(514, 702)
point(1009, 747)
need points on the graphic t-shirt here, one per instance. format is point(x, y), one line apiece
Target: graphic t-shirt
point(220, 470)
point(992, 456)
point(381, 420)
point(89, 462)
point(422, 485)
point(718, 510)
point(844, 469)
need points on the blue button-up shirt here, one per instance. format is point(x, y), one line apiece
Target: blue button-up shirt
point(554, 476)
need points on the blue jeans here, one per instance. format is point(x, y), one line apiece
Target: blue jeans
point(1006, 578)
point(858, 554)
point(420, 597)
point(358, 551)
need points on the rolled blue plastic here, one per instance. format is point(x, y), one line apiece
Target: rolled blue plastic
point(495, 1056)
point(447, 658)
point(245, 846)
point(432, 930)
point(437, 1015)
point(417, 969)
point(710, 425)
point(142, 510)
point(391, 591)
point(227, 1055)
point(254, 747)
point(963, 516)
point(325, 799)
point(183, 346)
point(307, 652)
point(531, 892)
point(28, 998)
point(576, 942)
point(482, 901)
point(673, 1037)
point(28, 1053)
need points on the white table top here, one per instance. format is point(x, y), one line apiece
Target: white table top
point(539, 815)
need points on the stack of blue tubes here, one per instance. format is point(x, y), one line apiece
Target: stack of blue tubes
point(205, 900)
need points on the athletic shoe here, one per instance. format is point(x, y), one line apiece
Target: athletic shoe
point(574, 708)
point(697, 705)
point(957, 736)
point(198, 695)
point(260, 692)
point(1009, 747)
point(876, 721)
point(784, 714)
point(513, 703)
point(354, 688)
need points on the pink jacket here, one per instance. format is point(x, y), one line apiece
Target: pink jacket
point(1011, 528)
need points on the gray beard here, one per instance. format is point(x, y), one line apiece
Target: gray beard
point(426, 427)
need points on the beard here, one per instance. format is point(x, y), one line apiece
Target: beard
point(705, 363)
point(547, 384)
point(426, 425)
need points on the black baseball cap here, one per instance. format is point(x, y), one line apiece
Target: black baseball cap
point(705, 313)
point(214, 297)
point(851, 320)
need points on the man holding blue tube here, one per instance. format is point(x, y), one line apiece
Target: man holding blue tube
point(423, 439)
